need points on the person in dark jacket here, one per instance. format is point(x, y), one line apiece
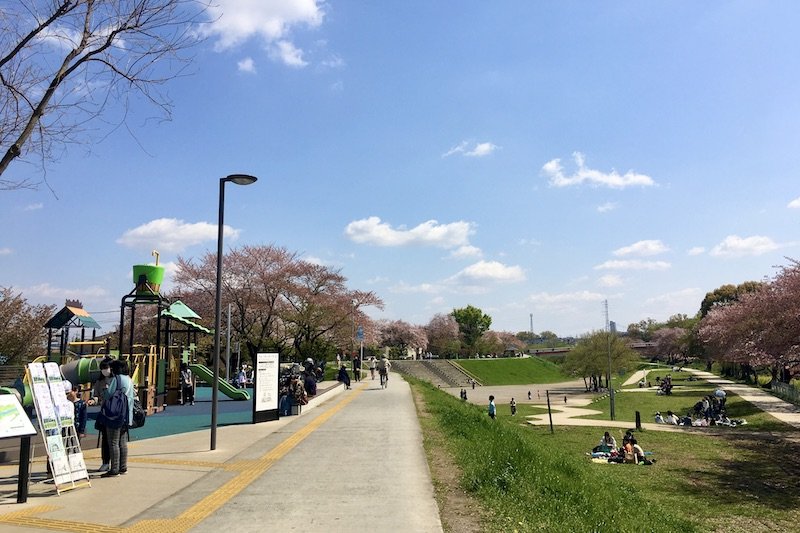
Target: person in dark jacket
point(343, 376)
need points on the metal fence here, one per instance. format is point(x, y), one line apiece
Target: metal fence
point(786, 391)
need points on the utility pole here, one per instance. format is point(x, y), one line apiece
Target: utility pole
point(608, 336)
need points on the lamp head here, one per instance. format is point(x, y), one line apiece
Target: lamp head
point(241, 179)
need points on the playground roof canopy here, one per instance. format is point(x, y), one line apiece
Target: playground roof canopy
point(181, 312)
point(71, 316)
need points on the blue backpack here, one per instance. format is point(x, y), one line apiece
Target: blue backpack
point(114, 411)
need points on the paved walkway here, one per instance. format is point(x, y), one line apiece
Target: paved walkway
point(352, 461)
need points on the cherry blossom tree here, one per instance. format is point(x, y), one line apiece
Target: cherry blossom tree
point(761, 328)
point(670, 344)
point(22, 333)
point(400, 337)
point(442, 332)
point(279, 302)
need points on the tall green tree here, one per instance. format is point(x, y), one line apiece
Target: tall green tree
point(472, 324)
point(726, 294)
point(590, 357)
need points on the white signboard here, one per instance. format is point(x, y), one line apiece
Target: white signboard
point(13, 420)
point(266, 392)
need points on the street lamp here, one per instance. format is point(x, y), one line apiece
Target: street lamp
point(238, 179)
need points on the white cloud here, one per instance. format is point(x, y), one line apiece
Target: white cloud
point(466, 251)
point(424, 288)
point(372, 231)
point(47, 291)
point(172, 235)
point(490, 271)
point(288, 54)
point(334, 61)
point(547, 299)
point(376, 280)
point(735, 246)
point(482, 150)
point(235, 21)
point(478, 150)
point(794, 204)
point(606, 207)
point(553, 170)
point(610, 280)
point(6, 251)
point(696, 250)
point(633, 264)
point(642, 248)
point(247, 65)
point(33, 207)
point(682, 299)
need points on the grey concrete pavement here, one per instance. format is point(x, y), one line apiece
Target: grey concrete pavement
point(353, 461)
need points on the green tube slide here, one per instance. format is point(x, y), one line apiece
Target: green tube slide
point(225, 388)
point(83, 370)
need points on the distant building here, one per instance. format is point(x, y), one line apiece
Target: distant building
point(612, 326)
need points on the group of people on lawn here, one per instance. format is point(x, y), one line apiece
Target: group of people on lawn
point(710, 411)
point(630, 451)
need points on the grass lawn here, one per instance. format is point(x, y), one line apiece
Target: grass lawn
point(681, 401)
point(514, 371)
point(530, 480)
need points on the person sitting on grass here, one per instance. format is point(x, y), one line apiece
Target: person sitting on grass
point(672, 419)
point(607, 443)
point(659, 418)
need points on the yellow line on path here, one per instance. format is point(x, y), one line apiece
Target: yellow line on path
point(251, 470)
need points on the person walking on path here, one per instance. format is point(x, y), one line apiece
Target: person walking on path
point(372, 364)
point(343, 376)
point(529, 395)
point(492, 408)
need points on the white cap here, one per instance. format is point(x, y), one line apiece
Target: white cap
point(67, 385)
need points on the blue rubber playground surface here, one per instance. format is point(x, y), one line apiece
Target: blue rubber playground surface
point(185, 418)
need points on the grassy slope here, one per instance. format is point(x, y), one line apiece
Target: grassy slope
point(528, 370)
point(534, 481)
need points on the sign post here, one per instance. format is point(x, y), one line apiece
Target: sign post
point(266, 377)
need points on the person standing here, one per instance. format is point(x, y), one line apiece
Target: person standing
point(356, 367)
point(98, 393)
point(187, 385)
point(513, 405)
point(492, 407)
point(372, 367)
point(118, 437)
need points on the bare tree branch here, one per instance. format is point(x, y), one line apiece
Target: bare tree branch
point(76, 59)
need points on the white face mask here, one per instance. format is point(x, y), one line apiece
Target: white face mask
point(106, 372)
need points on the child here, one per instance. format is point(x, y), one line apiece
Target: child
point(492, 408)
point(80, 411)
point(187, 387)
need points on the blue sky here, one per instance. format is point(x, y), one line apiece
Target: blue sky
point(524, 157)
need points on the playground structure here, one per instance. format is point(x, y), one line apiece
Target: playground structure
point(154, 368)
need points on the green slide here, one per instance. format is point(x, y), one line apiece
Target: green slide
point(225, 388)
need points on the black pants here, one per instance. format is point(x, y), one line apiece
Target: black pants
point(188, 394)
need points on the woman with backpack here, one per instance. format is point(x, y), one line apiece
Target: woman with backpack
point(117, 427)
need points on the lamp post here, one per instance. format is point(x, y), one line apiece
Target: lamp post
point(238, 179)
